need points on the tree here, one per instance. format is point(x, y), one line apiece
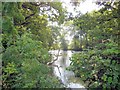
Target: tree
point(26, 39)
point(98, 66)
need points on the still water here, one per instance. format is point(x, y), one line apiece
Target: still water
point(63, 61)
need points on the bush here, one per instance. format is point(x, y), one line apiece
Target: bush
point(24, 65)
point(98, 67)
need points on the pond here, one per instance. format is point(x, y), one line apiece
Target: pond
point(63, 61)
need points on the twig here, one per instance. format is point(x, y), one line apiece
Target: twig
point(51, 63)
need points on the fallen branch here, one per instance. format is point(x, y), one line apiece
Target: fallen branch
point(51, 63)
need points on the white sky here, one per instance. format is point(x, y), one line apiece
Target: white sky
point(84, 7)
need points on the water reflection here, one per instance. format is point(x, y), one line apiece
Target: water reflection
point(63, 62)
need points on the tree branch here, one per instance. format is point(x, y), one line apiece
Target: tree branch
point(51, 63)
point(29, 16)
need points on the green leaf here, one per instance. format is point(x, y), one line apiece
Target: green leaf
point(104, 77)
point(109, 79)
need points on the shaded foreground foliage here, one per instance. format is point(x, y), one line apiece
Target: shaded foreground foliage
point(98, 65)
point(25, 66)
point(97, 68)
point(26, 39)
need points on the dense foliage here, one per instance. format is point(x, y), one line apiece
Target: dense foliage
point(98, 64)
point(27, 36)
point(25, 65)
point(26, 39)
